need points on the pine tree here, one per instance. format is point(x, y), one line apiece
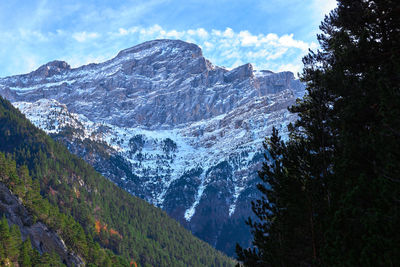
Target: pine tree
point(10, 241)
point(4, 236)
point(291, 209)
point(343, 151)
point(362, 43)
point(26, 253)
point(46, 260)
point(268, 249)
point(14, 243)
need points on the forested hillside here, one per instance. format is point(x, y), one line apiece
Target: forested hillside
point(88, 210)
point(13, 250)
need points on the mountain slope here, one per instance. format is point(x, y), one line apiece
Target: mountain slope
point(165, 124)
point(16, 252)
point(118, 221)
point(25, 227)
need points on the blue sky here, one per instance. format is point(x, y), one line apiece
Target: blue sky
point(270, 34)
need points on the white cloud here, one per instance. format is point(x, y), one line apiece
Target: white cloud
point(84, 36)
point(208, 45)
point(236, 64)
point(122, 31)
point(154, 29)
point(229, 48)
point(202, 33)
point(31, 62)
point(224, 47)
point(228, 33)
point(256, 54)
point(174, 34)
point(60, 32)
point(277, 53)
point(216, 32)
point(30, 34)
point(288, 41)
point(270, 37)
point(247, 39)
point(231, 54)
point(295, 68)
point(324, 6)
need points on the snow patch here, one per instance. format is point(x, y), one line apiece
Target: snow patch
point(190, 211)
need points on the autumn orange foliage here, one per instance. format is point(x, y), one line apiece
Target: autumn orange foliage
point(114, 232)
point(98, 226)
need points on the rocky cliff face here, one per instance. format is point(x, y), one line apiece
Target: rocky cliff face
point(42, 238)
point(167, 125)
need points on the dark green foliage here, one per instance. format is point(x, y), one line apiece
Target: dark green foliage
point(21, 184)
point(168, 145)
point(136, 143)
point(26, 257)
point(13, 251)
point(86, 208)
point(363, 42)
point(331, 193)
point(289, 210)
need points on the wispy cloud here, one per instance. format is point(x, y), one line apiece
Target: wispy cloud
point(229, 48)
point(224, 47)
point(323, 7)
point(84, 36)
point(271, 34)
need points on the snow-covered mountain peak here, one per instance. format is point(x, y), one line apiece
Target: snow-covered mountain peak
point(163, 46)
point(56, 65)
point(240, 73)
point(158, 84)
point(167, 125)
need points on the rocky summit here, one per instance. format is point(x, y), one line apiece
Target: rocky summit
point(167, 125)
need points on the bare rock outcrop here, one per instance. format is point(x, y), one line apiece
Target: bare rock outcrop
point(42, 238)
